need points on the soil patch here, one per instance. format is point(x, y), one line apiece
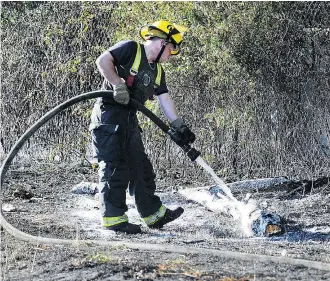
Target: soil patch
point(52, 210)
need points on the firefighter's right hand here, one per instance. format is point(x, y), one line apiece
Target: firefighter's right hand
point(121, 93)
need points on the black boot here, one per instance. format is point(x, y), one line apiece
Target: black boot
point(168, 217)
point(125, 227)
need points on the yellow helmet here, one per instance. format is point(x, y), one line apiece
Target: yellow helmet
point(172, 33)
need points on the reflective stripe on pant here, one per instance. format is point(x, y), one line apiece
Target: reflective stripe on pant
point(156, 216)
point(111, 221)
point(118, 146)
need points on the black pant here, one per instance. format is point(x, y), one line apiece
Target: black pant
point(123, 162)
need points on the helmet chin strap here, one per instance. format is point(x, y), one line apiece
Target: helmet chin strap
point(164, 45)
point(160, 53)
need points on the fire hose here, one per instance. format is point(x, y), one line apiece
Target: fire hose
point(191, 153)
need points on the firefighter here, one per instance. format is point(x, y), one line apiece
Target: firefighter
point(134, 70)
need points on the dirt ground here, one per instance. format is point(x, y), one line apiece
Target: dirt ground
point(38, 200)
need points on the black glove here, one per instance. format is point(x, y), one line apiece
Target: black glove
point(181, 133)
point(121, 94)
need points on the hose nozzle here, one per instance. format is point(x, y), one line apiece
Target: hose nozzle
point(192, 153)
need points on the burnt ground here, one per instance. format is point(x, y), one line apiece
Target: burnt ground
point(41, 203)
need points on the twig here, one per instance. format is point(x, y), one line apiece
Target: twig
point(34, 260)
point(179, 273)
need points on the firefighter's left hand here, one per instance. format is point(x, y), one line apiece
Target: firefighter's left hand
point(187, 135)
point(183, 132)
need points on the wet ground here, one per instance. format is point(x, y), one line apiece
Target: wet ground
point(39, 201)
